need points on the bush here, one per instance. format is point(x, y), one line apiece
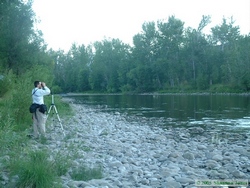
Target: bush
point(219, 88)
point(6, 82)
point(34, 170)
point(15, 103)
point(4, 87)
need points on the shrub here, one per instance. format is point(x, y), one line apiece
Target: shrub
point(34, 170)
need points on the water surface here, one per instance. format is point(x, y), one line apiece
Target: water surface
point(224, 112)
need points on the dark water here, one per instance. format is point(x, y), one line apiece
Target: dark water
point(225, 112)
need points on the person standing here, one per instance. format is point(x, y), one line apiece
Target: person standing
point(39, 118)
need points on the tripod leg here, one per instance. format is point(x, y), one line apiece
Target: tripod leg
point(49, 109)
point(59, 119)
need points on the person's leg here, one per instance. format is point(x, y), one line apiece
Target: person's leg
point(41, 122)
point(35, 125)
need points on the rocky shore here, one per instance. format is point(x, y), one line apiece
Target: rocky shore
point(136, 152)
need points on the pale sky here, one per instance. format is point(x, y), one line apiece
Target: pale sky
point(64, 22)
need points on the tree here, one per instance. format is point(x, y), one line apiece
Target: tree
point(143, 57)
point(225, 37)
point(196, 50)
point(19, 42)
point(170, 42)
point(107, 61)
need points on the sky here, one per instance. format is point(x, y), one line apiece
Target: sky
point(64, 22)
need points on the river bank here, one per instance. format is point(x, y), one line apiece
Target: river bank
point(159, 93)
point(138, 153)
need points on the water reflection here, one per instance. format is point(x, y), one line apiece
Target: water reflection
point(223, 111)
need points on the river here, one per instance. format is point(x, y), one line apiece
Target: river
point(220, 112)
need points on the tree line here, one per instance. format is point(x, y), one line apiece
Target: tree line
point(164, 56)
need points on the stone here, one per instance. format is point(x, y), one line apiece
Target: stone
point(116, 164)
point(184, 180)
point(238, 174)
point(211, 164)
point(99, 183)
point(201, 147)
point(187, 168)
point(213, 174)
point(165, 174)
point(223, 176)
point(196, 130)
point(172, 184)
point(241, 150)
point(174, 155)
point(217, 158)
point(188, 156)
point(144, 181)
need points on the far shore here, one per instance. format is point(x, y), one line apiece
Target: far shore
point(154, 93)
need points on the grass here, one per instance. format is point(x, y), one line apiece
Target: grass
point(12, 142)
point(34, 170)
point(61, 163)
point(83, 173)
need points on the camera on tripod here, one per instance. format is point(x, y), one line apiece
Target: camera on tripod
point(54, 110)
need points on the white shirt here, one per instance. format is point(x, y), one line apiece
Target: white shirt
point(37, 94)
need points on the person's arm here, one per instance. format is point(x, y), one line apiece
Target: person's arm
point(45, 90)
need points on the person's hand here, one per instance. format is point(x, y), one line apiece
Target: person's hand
point(43, 84)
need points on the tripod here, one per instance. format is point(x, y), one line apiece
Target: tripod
point(54, 110)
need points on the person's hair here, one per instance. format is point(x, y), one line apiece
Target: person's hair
point(36, 83)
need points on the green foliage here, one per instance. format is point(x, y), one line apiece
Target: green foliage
point(6, 82)
point(202, 83)
point(57, 89)
point(34, 170)
point(245, 82)
point(61, 163)
point(126, 88)
point(11, 142)
point(84, 173)
point(20, 44)
point(165, 56)
point(16, 102)
point(219, 88)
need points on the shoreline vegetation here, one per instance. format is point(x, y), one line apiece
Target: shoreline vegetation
point(154, 93)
